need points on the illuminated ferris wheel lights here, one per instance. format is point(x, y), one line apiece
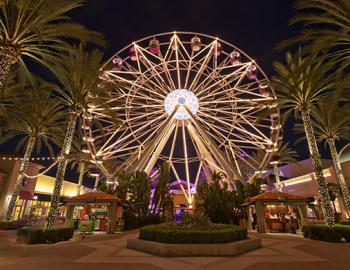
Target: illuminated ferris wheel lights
point(251, 72)
point(133, 54)
point(154, 46)
point(180, 106)
point(88, 139)
point(217, 49)
point(196, 44)
point(235, 58)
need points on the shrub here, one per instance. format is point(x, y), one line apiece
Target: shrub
point(149, 220)
point(39, 236)
point(171, 233)
point(198, 219)
point(345, 222)
point(12, 225)
point(323, 233)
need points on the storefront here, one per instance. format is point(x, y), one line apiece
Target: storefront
point(101, 211)
point(278, 212)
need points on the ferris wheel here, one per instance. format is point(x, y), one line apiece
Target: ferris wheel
point(192, 100)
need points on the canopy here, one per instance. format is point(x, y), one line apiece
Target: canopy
point(278, 197)
point(95, 197)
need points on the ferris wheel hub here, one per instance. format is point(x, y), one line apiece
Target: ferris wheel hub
point(184, 99)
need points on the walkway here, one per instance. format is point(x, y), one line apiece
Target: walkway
point(104, 252)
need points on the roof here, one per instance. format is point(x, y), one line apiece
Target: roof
point(277, 196)
point(25, 195)
point(92, 197)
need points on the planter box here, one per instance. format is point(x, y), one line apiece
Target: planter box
point(194, 250)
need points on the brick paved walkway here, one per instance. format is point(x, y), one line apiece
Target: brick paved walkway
point(104, 252)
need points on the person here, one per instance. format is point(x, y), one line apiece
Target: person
point(255, 220)
point(283, 221)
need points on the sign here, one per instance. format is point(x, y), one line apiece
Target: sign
point(90, 200)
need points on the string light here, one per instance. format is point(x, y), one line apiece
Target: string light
point(317, 166)
point(32, 158)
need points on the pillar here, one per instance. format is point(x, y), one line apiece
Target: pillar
point(303, 214)
point(69, 216)
point(260, 217)
point(112, 217)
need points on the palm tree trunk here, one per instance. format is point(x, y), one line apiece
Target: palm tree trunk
point(96, 182)
point(277, 176)
point(56, 194)
point(81, 176)
point(9, 56)
point(20, 177)
point(317, 166)
point(340, 176)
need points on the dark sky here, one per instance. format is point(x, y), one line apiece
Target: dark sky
point(255, 26)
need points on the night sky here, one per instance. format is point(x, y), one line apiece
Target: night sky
point(255, 26)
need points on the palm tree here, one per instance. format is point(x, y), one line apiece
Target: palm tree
point(300, 83)
point(326, 25)
point(38, 120)
point(79, 156)
point(162, 188)
point(332, 123)
point(284, 154)
point(38, 30)
point(77, 73)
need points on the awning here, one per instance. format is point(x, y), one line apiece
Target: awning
point(25, 195)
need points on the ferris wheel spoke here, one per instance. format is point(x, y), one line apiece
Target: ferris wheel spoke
point(241, 129)
point(184, 143)
point(237, 75)
point(217, 77)
point(178, 75)
point(144, 79)
point(133, 132)
point(133, 83)
point(152, 66)
point(203, 63)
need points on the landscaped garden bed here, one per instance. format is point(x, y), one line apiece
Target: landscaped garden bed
point(173, 233)
point(42, 236)
point(323, 233)
point(12, 225)
point(194, 236)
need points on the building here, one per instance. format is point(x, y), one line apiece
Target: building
point(298, 178)
point(35, 194)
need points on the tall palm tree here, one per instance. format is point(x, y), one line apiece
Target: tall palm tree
point(332, 123)
point(38, 120)
point(38, 30)
point(161, 189)
point(300, 83)
point(79, 156)
point(326, 25)
point(77, 73)
point(284, 154)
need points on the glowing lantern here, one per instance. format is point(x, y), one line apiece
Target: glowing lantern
point(154, 46)
point(251, 72)
point(132, 53)
point(196, 44)
point(235, 58)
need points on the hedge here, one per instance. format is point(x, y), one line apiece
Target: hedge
point(12, 225)
point(172, 234)
point(323, 233)
point(40, 236)
point(345, 222)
